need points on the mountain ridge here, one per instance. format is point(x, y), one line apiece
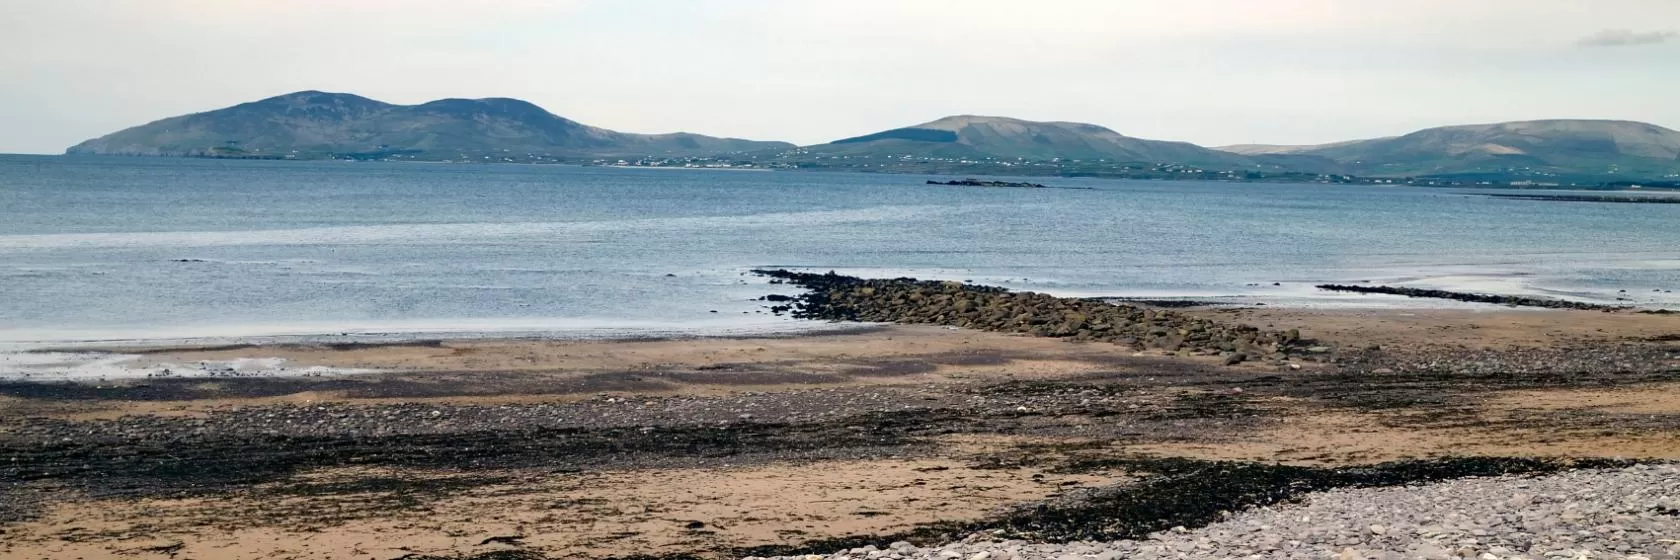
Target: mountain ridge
point(314, 123)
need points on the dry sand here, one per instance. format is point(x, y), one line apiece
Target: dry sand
point(573, 514)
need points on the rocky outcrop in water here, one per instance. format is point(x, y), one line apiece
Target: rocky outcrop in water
point(1472, 298)
point(906, 300)
point(1592, 198)
point(979, 183)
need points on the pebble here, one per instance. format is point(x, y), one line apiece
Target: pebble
point(1608, 514)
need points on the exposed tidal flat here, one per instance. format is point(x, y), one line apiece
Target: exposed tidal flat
point(1053, 431)
point(545, 368)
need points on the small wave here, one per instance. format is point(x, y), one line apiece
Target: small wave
point(415, 234)
point(21, 274)
point(202, 260)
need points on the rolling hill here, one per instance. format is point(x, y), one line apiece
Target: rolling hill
point(968, 136)
point(318, 124)
point(1570, 148)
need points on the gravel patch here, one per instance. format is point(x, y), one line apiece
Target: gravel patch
point(1626, 513)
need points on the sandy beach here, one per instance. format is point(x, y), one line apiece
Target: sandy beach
point(735, 446)
point(822, 280)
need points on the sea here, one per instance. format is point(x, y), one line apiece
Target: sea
point(143, 250)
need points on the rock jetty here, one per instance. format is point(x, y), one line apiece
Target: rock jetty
point(834, 297)
point(1472, 298)
point(979, 183)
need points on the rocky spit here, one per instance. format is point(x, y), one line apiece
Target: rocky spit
point(1619, 513)
point(1591, 198)
point(1514, 301)
point(979, 183)
point(835, 297)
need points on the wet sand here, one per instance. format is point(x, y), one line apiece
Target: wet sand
point(717, 447)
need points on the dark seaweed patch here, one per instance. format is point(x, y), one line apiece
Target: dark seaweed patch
point(163, 466)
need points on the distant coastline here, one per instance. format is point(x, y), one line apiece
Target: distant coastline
point(1014, 170)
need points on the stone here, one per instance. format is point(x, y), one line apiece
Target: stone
point(1593, 513)
point(1431, 551)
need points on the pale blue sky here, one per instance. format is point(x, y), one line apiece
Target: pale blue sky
point(1207, 71)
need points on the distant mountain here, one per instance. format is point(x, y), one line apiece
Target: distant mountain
point(313, 124)
point(318, 124)
point(1574, 148)
point(1282, 149)
point(969, 136)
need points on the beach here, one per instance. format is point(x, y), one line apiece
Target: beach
point(840, 280)
point(524, 362)
point(726, 447)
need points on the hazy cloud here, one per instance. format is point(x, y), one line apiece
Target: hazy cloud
point(1626, 38)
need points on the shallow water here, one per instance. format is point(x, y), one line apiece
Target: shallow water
point(134, 248)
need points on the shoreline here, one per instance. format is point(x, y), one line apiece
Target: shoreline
point(389, 336)
point(263, 357)
point(1364, 297)
point(1610, 184)
point(978, 411)
point(123, 361)
point(846, 354)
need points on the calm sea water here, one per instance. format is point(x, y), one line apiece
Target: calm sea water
point(98, 249)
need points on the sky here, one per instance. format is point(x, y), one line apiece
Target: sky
point(1213, 72)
